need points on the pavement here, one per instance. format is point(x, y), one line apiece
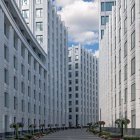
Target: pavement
point(71, 134)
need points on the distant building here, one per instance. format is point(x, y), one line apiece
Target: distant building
point(121, 44)
point(23, 82)
point(42, 18)
point(82, 86)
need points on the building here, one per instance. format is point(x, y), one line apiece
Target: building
point(122, 41)
point(41, 16)
point(105, 8)
point(82, 86)
point(23, 82)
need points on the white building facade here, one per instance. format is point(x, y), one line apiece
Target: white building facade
point(122, 41)
point(41, 16)
point(83, 86)
point(105, 9)
point(23, 70)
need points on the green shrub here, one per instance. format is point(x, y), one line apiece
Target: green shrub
point(131, 138)
point(115, 136)
point(28, 136)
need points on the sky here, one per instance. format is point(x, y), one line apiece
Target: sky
point(81, 18)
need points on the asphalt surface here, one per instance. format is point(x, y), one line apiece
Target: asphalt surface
point(73, 134)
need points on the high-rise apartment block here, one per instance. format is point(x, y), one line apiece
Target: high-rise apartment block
point(82, 86)
point(41, 16)
point(23, 82)
point(121, 45)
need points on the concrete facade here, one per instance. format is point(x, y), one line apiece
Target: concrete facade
point(23, 70)
point(122, 43)
point(41, 16)
point(83, 86)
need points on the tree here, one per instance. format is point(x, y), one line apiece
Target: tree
point(100, 124)
point(16, 127)
point(89, 125)
point(121, 123)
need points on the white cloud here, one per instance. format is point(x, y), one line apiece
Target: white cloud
point(82, 19)
point(97, 53)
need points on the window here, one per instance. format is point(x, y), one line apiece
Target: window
point(29, 75)
point(76, 88)
point(104, 20)
point(125, 95)
point(6, 99)
point(70, 75)
point(39, 83)
point(106, 6)
point(133, 92)
point(39, 26)
point(29, 58)
point(22, 70)
point(70, 89)
point(70, 82)
point(76, 95)
point(125, 72)
point(25, 2)
point(70, 109)
point(22, 105)
point(15, 62)
point(39, 39)
point(29, 107)
point(23, 51)
point(39, 13)
point(76, 50)
point(25, 14)
point(70, 67)
point(76, 81)
point(76, 74)
point(120, 99)
point(120, 77)
point(15, 83)
point(102, 33)
point(70, 96)
point(76, 109)
point(76, 102)
point(120, 56)
point(22, 87)
point(133, 40)
point(6, 53)
point(6, 30)
point(29, 91)
point(69, 59)
point(70, 102)
point(15, 103)
point(133, 66)
point(133, 14)
point(119, 34)
point(125, 25)
point(6, 76)
point(70, 116)
point(76, 65)
point(125, 49)
point(15, 41)
point(38, 1)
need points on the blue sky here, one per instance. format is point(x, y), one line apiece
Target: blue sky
point(81, 18)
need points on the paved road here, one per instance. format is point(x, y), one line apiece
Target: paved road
point(76, 134)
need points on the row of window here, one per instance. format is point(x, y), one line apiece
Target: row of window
point(15, 104)
point(39, 13)
point(26, 2)
point(15, 61)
